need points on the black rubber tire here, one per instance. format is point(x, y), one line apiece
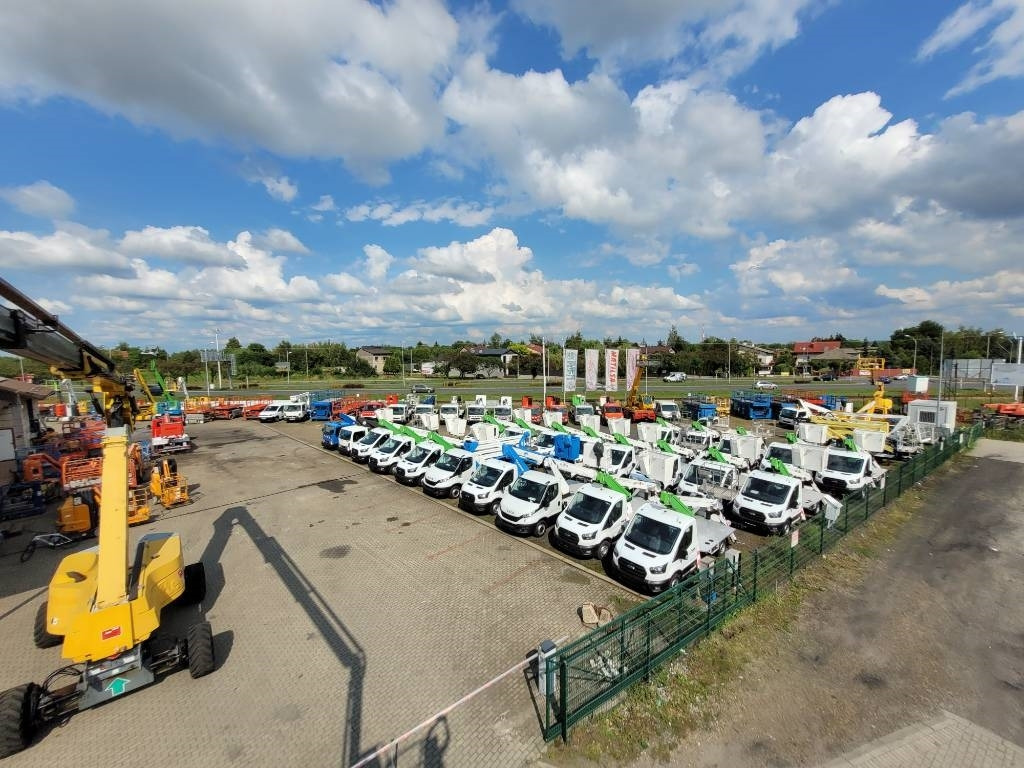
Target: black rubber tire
point(494, 507)
point(603, 549)
point(200, 649)
point(17, 718)
point(42, 638)
point(195, 585)
point(540, 529)
point(455, 491)
point(672, 582)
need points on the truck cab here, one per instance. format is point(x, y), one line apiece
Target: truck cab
point(475, 412)
point(848, 472)
point(411, 467)
point(611, 410)
point(329, 434)
point(399, 413)
point(483, 491)
point(449, 472)
point(532, 503)
point(792, 414)
point(349, 437)
point(661, 546)
point(295, 412)
point(667, 410)
point(422, 411)
point(592, 520)
point(452, 409)
point(770, 502)
point(386, 456)
point(580, 409)
point(375, 437)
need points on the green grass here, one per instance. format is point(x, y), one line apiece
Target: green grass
point(1010, 435)
point(690, 691)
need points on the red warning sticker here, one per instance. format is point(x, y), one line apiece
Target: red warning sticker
point(107, 634)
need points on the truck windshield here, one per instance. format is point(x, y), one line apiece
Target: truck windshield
point(851, 465)
point(486, 476)
point(618, 456)
point(544, 440)
point(669, 410)
point(766, 490)
point(781, 452)
point(652, 535)
point(371, 438)
point(527, 490)
point(697, 439)
point(418, 455)
point(788, 413)
point(584, 410)
point(697, 474)
point(449, 410)
point(587, 508)
point(390, 446)
point(448, 463)
point(328, 430)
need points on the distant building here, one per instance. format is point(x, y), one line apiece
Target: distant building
point(496, 360)
point(375, 357)
point(764, 357)
point(805, 351)
point(19, 420)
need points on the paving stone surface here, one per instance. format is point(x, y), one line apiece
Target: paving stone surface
point(346, 610)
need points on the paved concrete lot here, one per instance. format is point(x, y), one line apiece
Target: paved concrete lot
point(345, 608)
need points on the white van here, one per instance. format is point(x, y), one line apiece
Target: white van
point(274, 411)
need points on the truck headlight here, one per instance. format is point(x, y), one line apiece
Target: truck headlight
point(775, 515)
point(658, 568)
point(589, 536)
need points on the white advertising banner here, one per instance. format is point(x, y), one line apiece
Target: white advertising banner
point(590, 359)
point(611, 370)
point(1007, 375)
point(569, 357)
point(632, 360)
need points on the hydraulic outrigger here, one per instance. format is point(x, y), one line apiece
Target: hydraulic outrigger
point(102, 606)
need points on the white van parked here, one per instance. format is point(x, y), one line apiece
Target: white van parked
point(274, 411)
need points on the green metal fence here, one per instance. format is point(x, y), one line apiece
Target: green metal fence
point(585, 674)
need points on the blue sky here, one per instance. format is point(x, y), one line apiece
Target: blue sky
point(400, 171)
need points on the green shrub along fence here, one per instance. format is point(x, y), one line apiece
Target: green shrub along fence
point(585, 674)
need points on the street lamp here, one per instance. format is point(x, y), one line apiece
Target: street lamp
point(914, 364)
point(288, 359)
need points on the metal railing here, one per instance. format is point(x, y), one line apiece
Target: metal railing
point(591, 671)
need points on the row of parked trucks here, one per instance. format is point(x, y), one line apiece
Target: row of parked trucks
point(654, 504)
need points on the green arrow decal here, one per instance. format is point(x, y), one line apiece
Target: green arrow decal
point(117, 686)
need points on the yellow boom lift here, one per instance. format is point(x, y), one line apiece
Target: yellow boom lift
point(104, 603)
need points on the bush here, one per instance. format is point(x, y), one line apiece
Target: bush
point(353, 385)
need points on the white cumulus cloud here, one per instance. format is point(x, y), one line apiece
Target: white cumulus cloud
point(40, 199)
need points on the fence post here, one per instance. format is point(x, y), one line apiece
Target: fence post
point(757, 559)
point(563, 707)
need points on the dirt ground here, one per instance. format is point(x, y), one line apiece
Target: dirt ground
point(939, 624)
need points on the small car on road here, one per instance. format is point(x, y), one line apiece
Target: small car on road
point(419, 388)
point(765, 385)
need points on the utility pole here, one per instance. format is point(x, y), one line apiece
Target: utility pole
point(216, 341)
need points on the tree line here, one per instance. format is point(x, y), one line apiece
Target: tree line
point(712, 356)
